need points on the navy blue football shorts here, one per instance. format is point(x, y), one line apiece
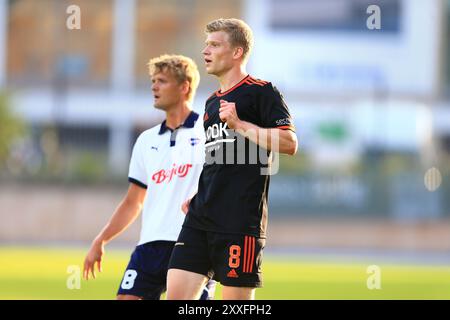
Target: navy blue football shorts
point(146, 273)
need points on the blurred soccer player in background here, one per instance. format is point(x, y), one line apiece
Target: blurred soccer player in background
point(164, 170)
point(224, 232)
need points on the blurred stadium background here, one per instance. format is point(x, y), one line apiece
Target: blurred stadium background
point(369, 186)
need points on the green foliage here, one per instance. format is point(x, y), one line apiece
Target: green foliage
point(88, 167)
point(11, 128)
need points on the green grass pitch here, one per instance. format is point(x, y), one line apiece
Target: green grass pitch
point(42, 273)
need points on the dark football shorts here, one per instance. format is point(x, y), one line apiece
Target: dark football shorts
point(146, 273)
point(232, 259)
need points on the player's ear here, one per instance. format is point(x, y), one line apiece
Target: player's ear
point(238, 52)
point(185, 87)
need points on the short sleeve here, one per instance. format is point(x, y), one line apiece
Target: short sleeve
point(273, 109)
point(137, 173)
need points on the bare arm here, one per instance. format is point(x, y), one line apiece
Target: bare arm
point(127, 211)
point(185, 204)
point(264, 137)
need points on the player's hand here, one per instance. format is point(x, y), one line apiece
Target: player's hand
point(93, 257)
point(185, 206)
point(228, 114)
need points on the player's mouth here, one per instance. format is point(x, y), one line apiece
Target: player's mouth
point(207, 61)
point(156, 97)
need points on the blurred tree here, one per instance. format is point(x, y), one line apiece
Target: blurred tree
point(11, 128)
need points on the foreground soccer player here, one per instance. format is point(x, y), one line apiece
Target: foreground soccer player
point(225, 227)
point(164, 171)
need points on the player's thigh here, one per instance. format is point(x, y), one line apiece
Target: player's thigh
point(238, 293)
point(189, 266)
point(184, 285)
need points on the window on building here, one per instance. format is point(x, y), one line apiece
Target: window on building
point(332, 15)
point(42, 51)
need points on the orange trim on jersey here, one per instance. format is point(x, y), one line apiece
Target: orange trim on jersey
point(285, 127)
point(251, 82)
point(262, 82)
point(219, 94)
point(212, 95)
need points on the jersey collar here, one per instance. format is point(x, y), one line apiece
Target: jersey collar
point(188, 123)
point(237, 85)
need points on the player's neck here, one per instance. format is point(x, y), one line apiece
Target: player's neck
point(177, 116)
point(232, 78)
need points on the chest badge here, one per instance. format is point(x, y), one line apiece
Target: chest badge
point(194, 141)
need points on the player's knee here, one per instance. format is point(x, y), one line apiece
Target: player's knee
point(238, 293)
point(184, 285)
point(127, 297)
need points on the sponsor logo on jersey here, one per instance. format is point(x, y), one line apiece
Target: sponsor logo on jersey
point(217, 130)
point(283, 122)
point(154, 148)
point(167, 175)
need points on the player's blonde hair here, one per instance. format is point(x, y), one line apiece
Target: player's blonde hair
point(181, 67)
point(239, 33)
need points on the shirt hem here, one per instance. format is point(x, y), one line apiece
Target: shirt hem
point(226, 231)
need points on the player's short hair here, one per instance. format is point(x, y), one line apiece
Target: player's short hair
point(239, 33)
point(181, 67)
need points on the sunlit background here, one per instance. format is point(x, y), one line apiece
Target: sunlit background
point(370, 182)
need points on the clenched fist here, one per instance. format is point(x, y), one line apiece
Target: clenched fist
point(228, 114)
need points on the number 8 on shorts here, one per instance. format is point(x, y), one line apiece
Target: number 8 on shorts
point(128, 279)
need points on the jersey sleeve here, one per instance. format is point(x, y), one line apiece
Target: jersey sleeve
point(273, 109)
point(137, 173)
